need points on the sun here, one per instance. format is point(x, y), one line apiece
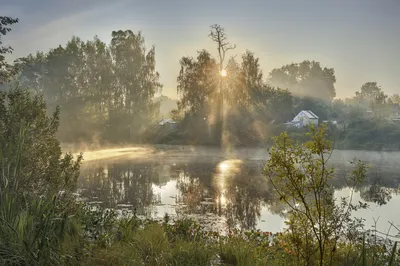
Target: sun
point(223, 72)
point(223, 167)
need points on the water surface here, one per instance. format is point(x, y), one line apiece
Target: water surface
point(223, 189)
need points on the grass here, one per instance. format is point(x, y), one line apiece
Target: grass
point(43, 235)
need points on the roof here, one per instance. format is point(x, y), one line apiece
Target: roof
point(309, 114)
point(166, 121)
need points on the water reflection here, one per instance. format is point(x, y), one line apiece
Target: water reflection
point(216, 190)
point(121, 184)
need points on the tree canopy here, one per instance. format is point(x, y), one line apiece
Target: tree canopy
point(6, 70)
point(103, 91)
point(307, 78)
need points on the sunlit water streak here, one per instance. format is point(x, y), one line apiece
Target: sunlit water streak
point(112, 153)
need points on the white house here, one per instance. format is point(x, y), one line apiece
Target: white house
point(303, 119)
point(166, 122)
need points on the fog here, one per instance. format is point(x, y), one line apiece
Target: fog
point(140, 132)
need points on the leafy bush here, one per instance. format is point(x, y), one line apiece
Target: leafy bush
point(301, 178)
point(31, 159)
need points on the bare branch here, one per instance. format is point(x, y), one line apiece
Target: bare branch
point(218, 35)
point(230, 47)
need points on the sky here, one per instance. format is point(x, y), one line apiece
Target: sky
point(360, 39)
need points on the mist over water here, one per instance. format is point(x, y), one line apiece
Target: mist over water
point(222, 189)
point(121, 145)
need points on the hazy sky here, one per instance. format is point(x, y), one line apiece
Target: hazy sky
point(360, 39)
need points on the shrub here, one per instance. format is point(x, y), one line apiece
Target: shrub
point(31, 159)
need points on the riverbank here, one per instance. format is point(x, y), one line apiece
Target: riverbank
point(113, 240)
point(184, 242)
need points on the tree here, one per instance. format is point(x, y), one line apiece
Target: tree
point(6, 70)
point(244, 85)
point(279, 104)
point(197, 87)
point(369, 92)
point(395, 98)
point(61, 76)
point(218, 35)
point(248, 101)
point(301, 178)
point(252, 79)
point(137, 81)
point(347, 111)
point(307, 78)
point(30, 154)
point(197, 82)
point(371, 95)
point(105, 92)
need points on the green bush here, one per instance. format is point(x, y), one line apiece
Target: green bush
point(31, 160)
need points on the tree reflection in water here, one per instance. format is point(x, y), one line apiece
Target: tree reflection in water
point(234, 191)
point(230, 189)
point(120, 184)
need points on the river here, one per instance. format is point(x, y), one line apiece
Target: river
point(222, 189)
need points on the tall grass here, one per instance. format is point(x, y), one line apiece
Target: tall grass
point(33, 230)
point(35, 235)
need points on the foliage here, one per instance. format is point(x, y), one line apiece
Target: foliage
point(307, 78)
point(6, 70)
point(300, 175)
point(372, 96)
point(370, 135)
point(197, 81)
point(30, 154)
point(197, 85)
point(36, 222)
point(370, 92)
point(105, 92)
point(395, 98)
point(249, 105)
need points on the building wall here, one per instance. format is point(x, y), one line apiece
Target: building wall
point(305, 120)
point(313, 122)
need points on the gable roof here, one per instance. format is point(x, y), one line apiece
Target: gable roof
point(309, 114)
point(166, 121)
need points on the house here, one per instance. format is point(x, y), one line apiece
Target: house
point(304, 118)
point(166, 121)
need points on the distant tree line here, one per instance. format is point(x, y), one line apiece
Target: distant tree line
point(105, 93)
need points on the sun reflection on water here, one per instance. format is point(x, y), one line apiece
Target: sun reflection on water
point(225, 171)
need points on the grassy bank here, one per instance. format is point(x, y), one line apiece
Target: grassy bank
point(46, 235)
